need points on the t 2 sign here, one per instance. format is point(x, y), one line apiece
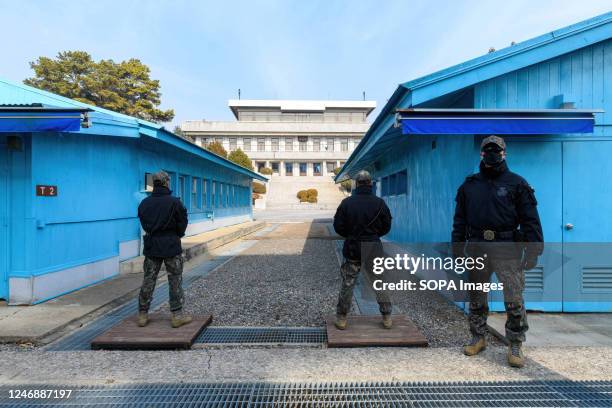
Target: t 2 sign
point(46, 191)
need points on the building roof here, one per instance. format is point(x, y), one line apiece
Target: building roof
point(419, 91)
point(220, 128)
point(299, 105)
point(109, 123)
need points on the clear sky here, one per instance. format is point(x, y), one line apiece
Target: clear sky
point(202, 52)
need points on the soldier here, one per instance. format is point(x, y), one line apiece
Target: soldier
point(363, 217)
point(164, 219)
point(496, 214)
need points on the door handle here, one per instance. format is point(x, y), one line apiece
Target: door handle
point(569, 226)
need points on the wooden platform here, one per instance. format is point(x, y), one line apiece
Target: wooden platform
point(157, 335)
point(367, 331)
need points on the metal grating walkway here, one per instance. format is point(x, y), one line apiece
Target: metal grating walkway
point(349, 395)
point(81, 338)
point(268, 335)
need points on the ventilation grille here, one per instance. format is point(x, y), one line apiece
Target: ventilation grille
point(597, 279)
point(534, 279)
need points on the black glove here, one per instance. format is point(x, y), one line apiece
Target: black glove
point(530, 262)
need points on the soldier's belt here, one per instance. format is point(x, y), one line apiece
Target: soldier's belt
point(490, 235)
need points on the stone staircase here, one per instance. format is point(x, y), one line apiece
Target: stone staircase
point(282, 192)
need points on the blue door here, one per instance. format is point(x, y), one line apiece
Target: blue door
point(540, 163)
point(587, 226)
point(4, 218)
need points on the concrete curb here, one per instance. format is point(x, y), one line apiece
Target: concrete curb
point(193, 254)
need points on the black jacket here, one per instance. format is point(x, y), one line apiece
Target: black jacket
point(498, 200)
point(353, 220)
point(164, 219)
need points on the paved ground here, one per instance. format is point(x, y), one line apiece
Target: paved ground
point(300, 365)
point(265, 272)
point(293, 215)
point(568, 329)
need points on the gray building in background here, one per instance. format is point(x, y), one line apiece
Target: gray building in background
point(292, 137)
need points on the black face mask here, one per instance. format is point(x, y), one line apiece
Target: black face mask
point(492, 157)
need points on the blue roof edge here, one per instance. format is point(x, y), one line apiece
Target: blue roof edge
point(511, 50)
point(106, 116)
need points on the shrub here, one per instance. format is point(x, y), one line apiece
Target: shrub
point(259, 188)
point(216, 148)
point(256, 196)
point(240, 158)
point(347, 185)
point(312, 199)
point(266, 170)
point(312, 192)
point(337, 170)
point(302, 195)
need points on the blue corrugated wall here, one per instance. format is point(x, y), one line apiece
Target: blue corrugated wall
point(100, 182)
point(569, 173)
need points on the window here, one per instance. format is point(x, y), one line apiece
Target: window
point(316, 169)
point(275, 167)
point(330, 144)
point(247, 144)
point(275, 144)
point(316, 145)
point(344, 145)
point(289, 144)
point(303, 169)
point(227, 195)
point(195, 202)
point(261, 144)
point(303, 146)
point(213, 194)
point(384, 187)
point(221, 196)
point(205, 202)
point(148, 182)
point(402, 182)
point(181, 188)
point(233, 144)
point(331, 166)
point(392, 184)
point(289, 169)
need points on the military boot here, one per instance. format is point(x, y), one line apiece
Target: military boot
point(387, 322)
point(143, 319)
point(341, 322)
point(475, 346)
point(179, 319)
point(515, 355)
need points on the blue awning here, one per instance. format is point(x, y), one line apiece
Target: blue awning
point(495, 121)
point(39, 118)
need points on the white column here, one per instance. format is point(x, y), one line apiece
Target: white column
point(281, 169)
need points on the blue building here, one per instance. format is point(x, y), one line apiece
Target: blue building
point(71, 178)
point(551, 98)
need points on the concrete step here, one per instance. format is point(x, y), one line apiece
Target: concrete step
point(282, 192)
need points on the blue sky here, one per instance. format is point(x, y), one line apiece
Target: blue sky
point(202, 52)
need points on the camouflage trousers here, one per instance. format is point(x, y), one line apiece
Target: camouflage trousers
point(350, 272)
point(509, 272)
point(174, 268)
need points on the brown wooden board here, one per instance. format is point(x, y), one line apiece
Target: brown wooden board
point(156, 335)
point(367, 331)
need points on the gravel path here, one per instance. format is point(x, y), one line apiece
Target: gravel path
point(290, 277)
point(288, 281)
